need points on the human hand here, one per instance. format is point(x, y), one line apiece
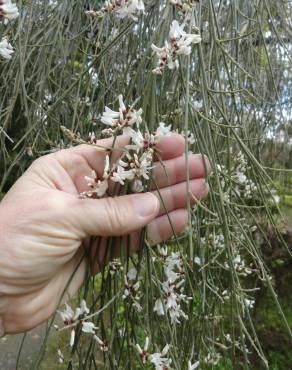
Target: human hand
point(45, 226)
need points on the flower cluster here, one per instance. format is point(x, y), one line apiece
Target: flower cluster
point(160, 360)
point(240, 266)
point(8, 10)
point(115, 266)
point(212, 358)
point(242, 185)
point(238, 343)
point(71, 319)
point(172, 287)
point(245, 185)
point(132, 289)
point(179, 43)
point(215, 241)
point(136, 162)
point(121, 120)
point(123, 9)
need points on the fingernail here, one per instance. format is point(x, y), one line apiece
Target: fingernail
point(146, 205)
point(208, 165)
point(205, 189)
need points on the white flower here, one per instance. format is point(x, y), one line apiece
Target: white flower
point(103, 346)
point(106, 171)
point(148, 140)
point(166, 58)
point(172, 289)
point(179, 43)
point(130, 8)
point(101, 188)
point(115, 266)
point(172, 262)
point(249, 303)
point(132, 274)
point(70, 317)
point(60, 356)
point(131, 293)
point(133, 167)
point(6, 49)
point(198, 104)
point(72, 337)
point(198, 261)
point(84, 308)
point(225, 295)
point(8, 10)
point(67, 315)
point(241, 177)
point(88, 327)
point(113, 118)
point(91, 179)
point(138, 140)
point(98, 186)
point(53, 3)
point(162, 251)
point(160, 360)
point(181, 39)
point(158, 307)
point(212, 358)
point(275, 197)
point(176, 31)
point(176, 313)
point(123, 8)
point(228, 337)
point(143, 353)
point(137, 186)
point(132, 117)
point(92, 138)
point(141, 166)
point(109, 117)
point(193, 366)
point(172, 301)
point(171, 275)
point(124, 119)
point(162, 132)
point(120, 175)
point(237, 261)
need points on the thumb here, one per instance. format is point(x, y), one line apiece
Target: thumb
point(115, 216)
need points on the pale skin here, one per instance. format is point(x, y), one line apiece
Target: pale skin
point(44, 226)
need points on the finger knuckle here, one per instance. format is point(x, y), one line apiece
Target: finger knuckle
point(117, 214)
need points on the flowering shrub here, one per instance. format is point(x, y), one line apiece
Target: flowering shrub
point(186, 66)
